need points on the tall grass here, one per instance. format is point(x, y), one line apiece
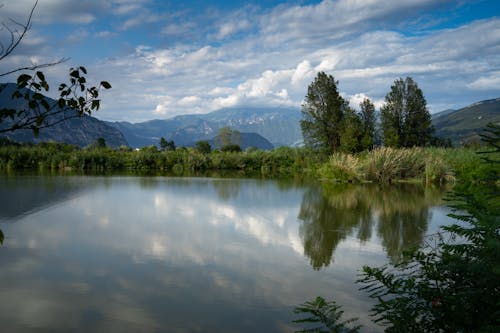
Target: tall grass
point(381, 165)
point(386, 165)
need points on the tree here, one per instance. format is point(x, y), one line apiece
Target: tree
point(451, 283)
point(166, 145)
point(368, 123)
point(323, 112)
point(203, 147)
point(36, 112)
point(406, 122)
point(227, 137)
point(101, 143)
point(351, 133)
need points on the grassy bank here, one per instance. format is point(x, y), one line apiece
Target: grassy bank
point(281, 161)
point(382, 165)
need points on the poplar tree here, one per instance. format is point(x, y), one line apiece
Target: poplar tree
point(368, 123)
point(322, 114)
point(405, 120)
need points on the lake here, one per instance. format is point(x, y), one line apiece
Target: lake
point(161, 254)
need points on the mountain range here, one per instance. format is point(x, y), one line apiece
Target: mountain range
point(80, 131)
point(464, 125)
point(278, 125)
point(262, 128)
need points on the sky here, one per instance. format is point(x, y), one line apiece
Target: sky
point(167, 58)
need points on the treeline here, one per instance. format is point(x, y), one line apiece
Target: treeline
point(329, 124)
point(58, 156)
point(381, 165)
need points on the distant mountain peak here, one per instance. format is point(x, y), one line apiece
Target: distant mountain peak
point(280, 126)
point(464, 125)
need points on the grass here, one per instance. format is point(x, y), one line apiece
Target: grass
point(387, 165)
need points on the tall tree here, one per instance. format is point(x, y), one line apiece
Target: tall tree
point(166, 145)
point(322, 114)
point(368, 123)
point(406, 122)
point(228, 137)
point(351, 133)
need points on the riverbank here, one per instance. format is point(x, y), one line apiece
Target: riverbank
point(381, 165)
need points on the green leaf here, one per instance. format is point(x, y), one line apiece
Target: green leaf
point(105, 84)
point(39, 120)
point(32, 104)
point(22, 80)
point(40, 76)
point(83, 69)
point(95, 104)
point(45, 104)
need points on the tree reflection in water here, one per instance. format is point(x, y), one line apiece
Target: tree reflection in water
point(333, 212)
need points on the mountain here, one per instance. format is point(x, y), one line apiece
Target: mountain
point(247, 140)
point(278, 125)
point(464, 125)
point(80, 131)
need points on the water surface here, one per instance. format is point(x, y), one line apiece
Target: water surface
point(159, 254)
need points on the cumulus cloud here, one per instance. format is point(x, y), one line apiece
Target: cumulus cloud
point(488, 82)
point(212, 59)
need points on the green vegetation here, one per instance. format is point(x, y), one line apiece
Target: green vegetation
point(330, 125)
point(406, 122)
point(57, 156)
point(325, 314)
point(381, 165)
point(323, 113)
point(451, 282)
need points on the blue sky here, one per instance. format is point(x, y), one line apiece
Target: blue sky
point(166, 58)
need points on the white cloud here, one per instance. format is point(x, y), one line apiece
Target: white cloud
point(355, 41)
point(488, 82)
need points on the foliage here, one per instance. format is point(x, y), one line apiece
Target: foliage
point(326, 314)
point(351, 134)
point(227, 137)
point(59, 156)
point(322, 114)
point(368, 121)
point(203, 147)
point(406, 122)
point(341, 166)
point(451, 283)
point(166, 145)
point(232, 148)
point(76, 97)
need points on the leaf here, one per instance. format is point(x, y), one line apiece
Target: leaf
point(105, 84)
point(83, 69)
point(95, 104)
point(40, 76)
point(32, 104)
point(39, 120)
point(74, 74)
point(45, 104)
point(2, 237)
point(22, 80)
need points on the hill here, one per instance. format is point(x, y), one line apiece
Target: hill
point(247, 140)
point(280, 126)
point(464, 125)
point(80, 131)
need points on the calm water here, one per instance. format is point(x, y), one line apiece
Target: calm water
point(138, 254)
